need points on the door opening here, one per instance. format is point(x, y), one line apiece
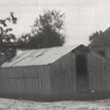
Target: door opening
point(81, 73)
point(81, 65)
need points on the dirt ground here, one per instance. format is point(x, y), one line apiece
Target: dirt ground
point(10, 104)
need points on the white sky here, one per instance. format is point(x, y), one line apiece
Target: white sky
point(83, 17)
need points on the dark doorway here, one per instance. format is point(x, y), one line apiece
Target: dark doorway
point(81, 65)
point(81, 70)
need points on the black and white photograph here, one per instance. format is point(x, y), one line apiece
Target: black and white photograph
point(54, 55)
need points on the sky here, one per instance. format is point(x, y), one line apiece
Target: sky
point(82, 17)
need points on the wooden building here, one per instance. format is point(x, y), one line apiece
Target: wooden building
point(101, 44)
point(55, 72)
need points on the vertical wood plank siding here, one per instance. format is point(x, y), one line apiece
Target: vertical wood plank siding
point(56, 78)
point(99, 73)
point(34, 80)
point(63, 77)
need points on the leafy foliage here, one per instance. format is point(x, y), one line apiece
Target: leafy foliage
point(95, 35)
point(46, 31)
point(6, 38)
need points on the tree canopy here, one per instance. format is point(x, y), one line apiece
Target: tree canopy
point(7, 38)
point(46, 31)
point(95, 35)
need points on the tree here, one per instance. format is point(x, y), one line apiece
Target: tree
point(46, 31)
point(95, 35)
point(6, 39)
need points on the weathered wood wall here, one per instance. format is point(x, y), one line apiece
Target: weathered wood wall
point(98, 72)
point(56, 78)
point(34, 80)
point(63, 75)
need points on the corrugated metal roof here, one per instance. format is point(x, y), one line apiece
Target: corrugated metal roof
point(38, 56)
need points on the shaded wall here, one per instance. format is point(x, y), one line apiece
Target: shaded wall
point(98, 73)
point(56, 78)
point(33, 80)
point(63, 75)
